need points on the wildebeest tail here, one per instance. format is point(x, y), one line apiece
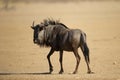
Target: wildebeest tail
point(86, 53)
point(84, 47)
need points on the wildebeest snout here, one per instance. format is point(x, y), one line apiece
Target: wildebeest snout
point(35, 41)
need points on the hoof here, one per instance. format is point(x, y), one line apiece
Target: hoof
point(90, 72)
point(51, 70)
point(74, 72)
point(61, 72)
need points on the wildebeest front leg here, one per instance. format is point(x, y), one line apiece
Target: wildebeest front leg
point(48, 57)
point(61, 59)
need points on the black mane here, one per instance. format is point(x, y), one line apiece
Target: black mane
point(47, 22)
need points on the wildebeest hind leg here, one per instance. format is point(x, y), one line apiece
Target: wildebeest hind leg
point(85, 51)
point(77, 59)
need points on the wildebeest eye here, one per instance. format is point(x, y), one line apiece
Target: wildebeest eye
point(40, 28)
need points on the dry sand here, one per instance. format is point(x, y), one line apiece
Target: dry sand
point(20, 59)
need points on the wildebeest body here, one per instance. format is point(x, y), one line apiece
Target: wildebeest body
point(61, 38)
point(64, 39)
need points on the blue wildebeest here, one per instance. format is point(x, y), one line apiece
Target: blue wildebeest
point(60, 38)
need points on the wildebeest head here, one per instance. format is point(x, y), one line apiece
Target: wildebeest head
point(38, 35)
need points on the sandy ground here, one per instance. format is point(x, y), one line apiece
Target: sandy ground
point(20, 59)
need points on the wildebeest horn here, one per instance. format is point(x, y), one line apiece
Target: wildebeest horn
point(33, 25)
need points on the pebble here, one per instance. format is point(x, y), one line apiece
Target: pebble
point(114, 63)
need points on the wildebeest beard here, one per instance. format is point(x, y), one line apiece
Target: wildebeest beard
point(52, 36)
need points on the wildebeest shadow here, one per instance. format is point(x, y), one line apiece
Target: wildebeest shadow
point(42, 73)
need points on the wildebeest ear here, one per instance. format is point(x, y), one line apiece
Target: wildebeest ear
point(32, 27)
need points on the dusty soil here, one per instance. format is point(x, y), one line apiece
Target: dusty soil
point(21, 59)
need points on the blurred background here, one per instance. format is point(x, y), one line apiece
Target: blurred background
point(99, 19)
